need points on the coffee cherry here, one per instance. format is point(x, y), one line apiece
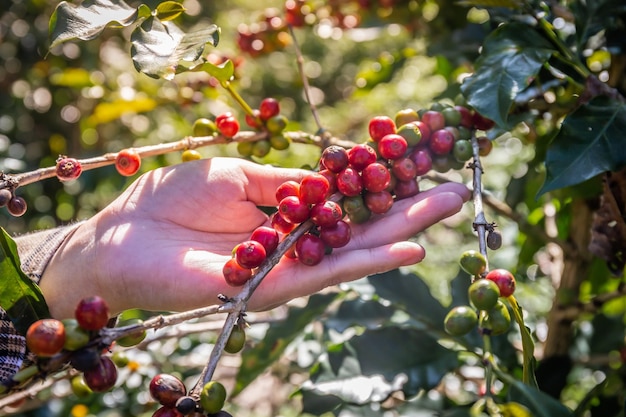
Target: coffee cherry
point(460, 320)
point(406, 189)
point(236, 340)
point(268, 108)
point(404, 169)
point(378, 203)
point(360, 216)
point(441, 142)
point(376, 177)
point(234, 274)
point(45, 337)
point(75, 336)
point(254, 120)
point(466, 117)
point(349, 182)
point(380, 126)
point(360, 156)
point(223, 116)
point(281, 225)
point(462, 150)
point(405, 116)
point(326, 214)
point(481, 122)
point(473, 262)
point(120, 359)
point(190, 155)
point(228, 126)
point(92, 313)
point(79, 387)
point(334, 158)
point(286, 189)
point(127, 162)
point(68, 169)
point(504, 280)
point(423, 161)
point(336, 236)
point(279, 142)
point(310, 249)
point(245, 148)
point(133, 338)
point(494, 240)
point(483, 294)
point(186, 405)
point(332, 180)
point(293, 210)
point(167, 389)
point(484, 146)
point(204, 127)
point(497, 320)
point(276, 124)
point(434, 120)
point(212, 397)
point(5, 197)
point(17, 206)
point(451, 116)
point(102, 377)
point(411, 133)
point(261, 148)
point(425, 130)
point(85, 359)
point(313, 189)
point(250, 254)
point(167, 412)
point(266, 236)
point(392, 146)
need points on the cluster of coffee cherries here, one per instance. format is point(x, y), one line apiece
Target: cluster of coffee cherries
point(487, 312)
point(15, 204)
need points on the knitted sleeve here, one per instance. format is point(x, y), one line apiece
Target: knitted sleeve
point(35, 251)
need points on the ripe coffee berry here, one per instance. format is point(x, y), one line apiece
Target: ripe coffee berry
point(484, 146)
point(267, 237)
point(45, 337)
point(334, 158)
point(85, 359)
point(313, 189)
point(423, 161)
point(234, 274)
point(380, 126)
point(360, 156)
point(392, 146)
point(406, 189)
point(250, 254)
point(441, 142)
point(504, 280)
point(5, 196)
point(404, 169)
point(17, 206)
point(378, 203)
point(102, 377)
point(293, 210)
point(286, 189)
point(310, 249)
point(254, 120)
point(481, 122)
point(349, 182)
point(326, 214)
point(434, 120)
point(376, 177)
point(92, 313)
point(336, 236)
point(167, 389)
point(281, 225)
point(228, 126)
point(186, 405)
point(167, 412)
point(269, 108)
point(127, 162)
point(68, 169)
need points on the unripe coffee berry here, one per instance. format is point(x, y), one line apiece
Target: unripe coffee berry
point(190, 155)
point(236, 340)
point(460, 320)
point(213, 397)
point(483, 294)
point(204, 127)
point(68, 169)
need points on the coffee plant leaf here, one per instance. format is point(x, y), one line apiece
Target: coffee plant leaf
point(509, 4)
point(511, 58)
point(223, 72)
point(590, 142)
point(160, 49)
point(592, 17)
point(255, 360)
point(537, 402)
point(87, 20)
point(408, 292)
point(169, 10)
point(20, 297)
point(367, 313)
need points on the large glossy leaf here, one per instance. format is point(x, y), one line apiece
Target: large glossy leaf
point(593, 16)
point(591, 141)
point(88, 19)
point(19, 296)
point(512, 56)
point(160, 47)
point(278, 336)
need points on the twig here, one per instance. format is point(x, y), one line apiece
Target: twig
point(480, 223)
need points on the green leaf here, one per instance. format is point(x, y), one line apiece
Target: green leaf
point(223, 72)
point(20, 297)
point(510, 4)
point(159, 48)
point(512, 56)
point(254, 361)
point(361, 312)
point(169, 10)
point(88, 20)
point(591, 141)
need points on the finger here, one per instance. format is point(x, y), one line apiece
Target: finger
point(299, 280)
point(406, 220)
point(263, 180)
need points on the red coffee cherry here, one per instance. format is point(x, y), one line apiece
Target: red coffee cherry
point(423, 161)
point(167, 389)
point(223, 116)
point(45, 337)
point(92, 313)
point(434, 120)
point(392, 146)
point(250, 254)
point(102, 377)
point(425, 130)
point(326, 214)
point(349, 182)
point(380, 126)
point(406, 189)
point(504, 280)
point(441, 142)
point(361, 156)
point(17, 206)
point(313, 189)
point(378, 203)
point(310, 249)
point(268, 108)
point(254, 120)
point(336, 236)
point(286, 189)
point(376, 177)
point(234, 274)
point(334, 158)
point(281, 225)
point(484, 146)
point(481, 122)
point(404, 169)
point(167, 412)
point(228, 126)
point(466, 117)
point(267, 237)
point(332, 180)
point(68, 169)
point(127, 162)
point(293, 210)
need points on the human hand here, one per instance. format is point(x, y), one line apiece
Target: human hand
point(162, 243)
